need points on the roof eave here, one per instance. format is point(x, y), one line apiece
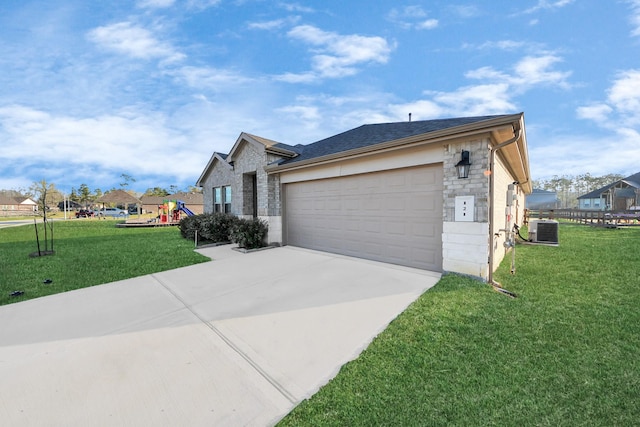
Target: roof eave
point(424, 138)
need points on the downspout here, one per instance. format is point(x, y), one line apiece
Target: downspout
point(492, 155)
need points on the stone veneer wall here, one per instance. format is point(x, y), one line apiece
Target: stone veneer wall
point(221, 174)
point(476, 185)
point(465, 246)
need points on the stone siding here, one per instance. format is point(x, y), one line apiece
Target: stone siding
point(476, 185)
point(221, 175)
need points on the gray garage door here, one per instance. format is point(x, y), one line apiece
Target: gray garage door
point(391, 216)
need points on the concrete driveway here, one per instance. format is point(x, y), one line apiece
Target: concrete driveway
point(233, 342)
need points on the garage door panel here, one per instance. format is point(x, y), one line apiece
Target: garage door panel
point(392, 216)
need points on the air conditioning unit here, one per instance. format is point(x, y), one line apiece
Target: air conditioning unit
point(543, 231)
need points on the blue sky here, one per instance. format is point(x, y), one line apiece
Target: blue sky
point(151, 88)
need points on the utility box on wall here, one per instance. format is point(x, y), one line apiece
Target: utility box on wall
point(465, 208)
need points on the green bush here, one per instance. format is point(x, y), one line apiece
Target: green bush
point(250, 233)
point(213, 227)
point(189, 225)
point(216, 227)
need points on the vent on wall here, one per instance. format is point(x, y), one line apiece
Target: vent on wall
point(543, 231)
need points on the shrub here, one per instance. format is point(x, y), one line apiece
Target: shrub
point(189, 225)
point(216, 227)
point(250, 233)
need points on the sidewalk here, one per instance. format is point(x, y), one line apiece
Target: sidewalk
point(236, 341)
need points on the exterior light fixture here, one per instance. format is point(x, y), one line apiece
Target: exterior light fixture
point(463, 165)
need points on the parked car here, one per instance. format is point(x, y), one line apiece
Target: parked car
point(84, 213)
point(112, 212)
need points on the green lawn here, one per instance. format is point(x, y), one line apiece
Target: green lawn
point(87, 253)
point(566, 352)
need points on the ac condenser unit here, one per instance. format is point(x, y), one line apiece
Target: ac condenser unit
point(543, 231)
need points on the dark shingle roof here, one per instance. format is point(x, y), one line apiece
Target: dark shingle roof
point(632, 180)
point(372, 134)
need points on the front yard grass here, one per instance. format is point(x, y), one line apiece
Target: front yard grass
point(564, 353)
point(87, 252)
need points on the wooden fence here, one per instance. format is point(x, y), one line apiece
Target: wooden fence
point(596, 218)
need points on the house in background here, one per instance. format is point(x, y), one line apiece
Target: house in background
point(388, 192)
point(618, 196)
point(193, 201)
point(15, 206)
point(541, 199)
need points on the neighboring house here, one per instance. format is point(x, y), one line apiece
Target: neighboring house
point(620, 195)
point(15, 206)
point(541, 199)
point(193, 201)
point(387, 192)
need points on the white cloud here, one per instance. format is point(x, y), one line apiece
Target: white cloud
point(155, 4)
point(548, 5)
point(508, 45)
point(624, 95)
point(597, 112)
point(529, 71)
point(465, 11)
point(273, 24)
point(336, 55)
point(131, 40)
point(202, 4)
point(635, 16)
point(209, 78)
point(295, 7)
point(621, 111)
point(125, 141)
point(428, 24)
point(412, 17)
point(495, 94)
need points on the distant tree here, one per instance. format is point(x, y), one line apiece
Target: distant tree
point(126, 180)
point(174, 189)
point(84, 194)
point(74, 195)
point(97, 193)
point(569, 187)
point(156, 191)
point(194, 190)
point(14, 193)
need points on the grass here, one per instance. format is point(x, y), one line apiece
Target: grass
point(87, 253)
point(564, 353)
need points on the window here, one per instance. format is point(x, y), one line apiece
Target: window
point(222, 199)
point(217, 199)
point(596, 203)
point(227, 199)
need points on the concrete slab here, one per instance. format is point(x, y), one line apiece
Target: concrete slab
point(236, 341)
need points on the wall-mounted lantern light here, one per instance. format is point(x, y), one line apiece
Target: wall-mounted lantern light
point(463, 165)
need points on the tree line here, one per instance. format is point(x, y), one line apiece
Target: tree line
point(47, 194)
point(569, 187)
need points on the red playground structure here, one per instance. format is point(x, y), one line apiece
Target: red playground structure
point(170, 211)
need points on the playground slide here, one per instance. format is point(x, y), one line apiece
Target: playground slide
point(184, 209)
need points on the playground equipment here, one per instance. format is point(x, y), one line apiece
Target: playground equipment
point(169, 211)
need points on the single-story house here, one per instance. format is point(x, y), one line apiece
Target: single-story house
point(388, 192)
point(617, 196)
point(15, 206)
point(193, 201)
point(541, 199)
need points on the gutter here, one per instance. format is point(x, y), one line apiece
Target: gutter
point(492, 156)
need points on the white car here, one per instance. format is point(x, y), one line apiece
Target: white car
point(112, 212)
